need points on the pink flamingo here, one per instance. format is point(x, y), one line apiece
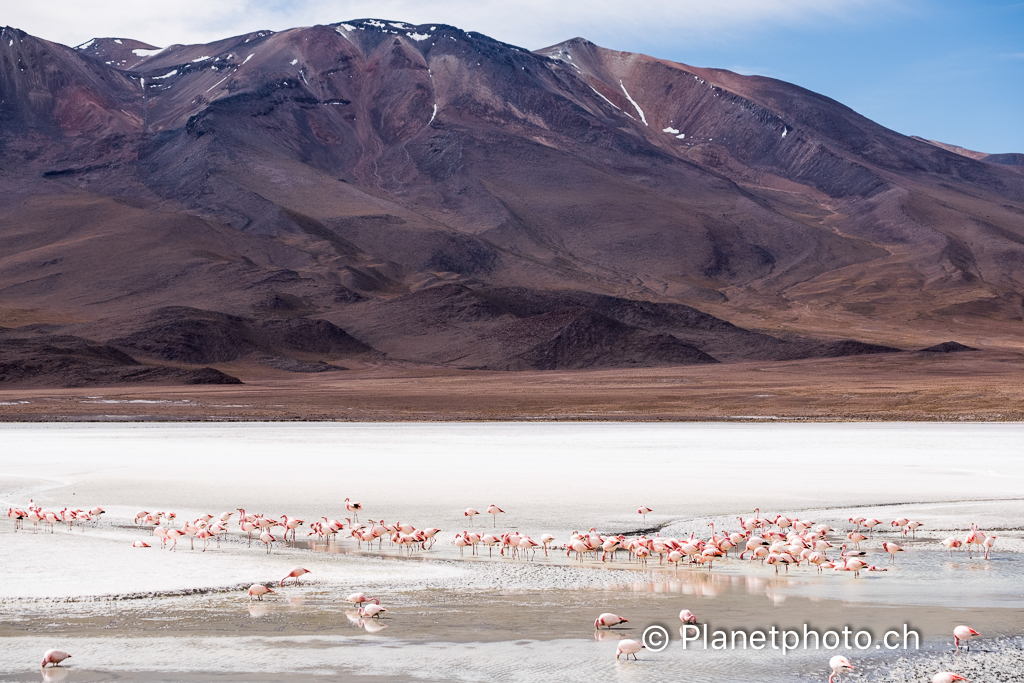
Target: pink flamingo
point(353, 507)
point(628, 647)
point(494, 510)
point(258, 590)
point(54, 657)
point(962, 635)
point(838, 664)
point(607, 619)
point(643, 512)
point(946, 677)
point(359, 598)
point(373, 611)
point(892, 549)
point(295, 574)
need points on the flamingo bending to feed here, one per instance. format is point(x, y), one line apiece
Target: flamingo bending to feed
point(838, 664)
point(295, 574)
point(687, 617)
point(140, 544)
point(373, 610)
point(946, 677)
point(359, 598)
point(258, 590)
point(628, 647)
point(54, 657)
point(545, 540)
point(963, 634)
point(608, 620)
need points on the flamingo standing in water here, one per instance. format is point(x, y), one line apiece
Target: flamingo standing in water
point(643, 513)
point(54, 657)
point(494, 510)
point(373, 611)
point(353, 507)
point(258, 590)
point(267, 540)
point(962, 635)
point(295, 574)
point(471, 513)
point(359, 598)
point(838, 664)
point(628, 647)
point(892, 549)
point(988, 543)
point(608, 620)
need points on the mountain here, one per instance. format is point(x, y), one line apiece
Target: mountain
point(435, 196)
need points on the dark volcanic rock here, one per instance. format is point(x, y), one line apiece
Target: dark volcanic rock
point(292, 365)
point(844, 347)
point(948, 347)
point(574, 339)
point(189, 335)
point(69, 361)
point(195, 336)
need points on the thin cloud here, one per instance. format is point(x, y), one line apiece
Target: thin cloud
point(528, 23)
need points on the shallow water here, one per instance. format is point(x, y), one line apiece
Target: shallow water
point(130, 613)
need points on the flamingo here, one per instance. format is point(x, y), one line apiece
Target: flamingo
point(545, 540)
point(353, 507)
point(838, 664)
point(258, 590)
point(173, 534)
point(912, 527)
point(295, 574)
point(643, 512)
point(461, 544)
point(607, 619)
point(248, 528)
point(140, 544)
point(54, 657)
point(687, 617)
point(856, 537)
point(963, 634)
point(494, 510)
point(471, 513)
point(267, 540)
point(946, 677)
point(291, 524)
point(373, 611)
point(359, 598)
point(988, 543)
point(892, 549)
point(628, 647)
point(951, 544)
point(205, 535)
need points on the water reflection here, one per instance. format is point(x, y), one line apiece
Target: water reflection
point(54, 674)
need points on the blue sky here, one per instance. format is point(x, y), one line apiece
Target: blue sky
point(950, 70)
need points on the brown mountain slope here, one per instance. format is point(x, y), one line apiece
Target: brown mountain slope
point(334, 172)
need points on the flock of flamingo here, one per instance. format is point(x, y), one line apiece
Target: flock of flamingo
point(779, 541)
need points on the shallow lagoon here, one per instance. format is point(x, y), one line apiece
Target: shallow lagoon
point(482, 619)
